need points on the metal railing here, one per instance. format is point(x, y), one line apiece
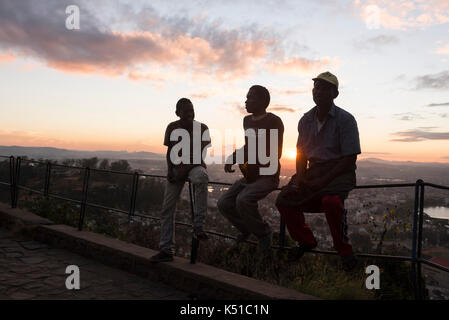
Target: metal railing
point(416, 257)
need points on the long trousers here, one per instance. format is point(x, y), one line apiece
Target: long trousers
point(332, 206)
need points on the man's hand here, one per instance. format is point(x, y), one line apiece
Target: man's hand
point(228, 168)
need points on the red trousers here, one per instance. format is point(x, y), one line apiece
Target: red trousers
point(332, 206)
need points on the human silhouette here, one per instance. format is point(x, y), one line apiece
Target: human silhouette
point(327, 148)
point(186, 164)
point(239, 204)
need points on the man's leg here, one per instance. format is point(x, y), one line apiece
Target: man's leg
point(332, 205)
point(199, 178)
point(247, 205)
point(227, 206)
point(296, 225)
point(171, 196)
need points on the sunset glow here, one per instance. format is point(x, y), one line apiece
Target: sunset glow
point(113, 84)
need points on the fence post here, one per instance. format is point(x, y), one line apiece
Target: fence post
point(420, 232)
point(12, 179)
point(84, 198)
point(16, 182)
point(135, 183)
point(47, 178)
point(414, 237)
point(195, 241)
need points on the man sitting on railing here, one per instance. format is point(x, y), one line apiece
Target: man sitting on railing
point(328, 141)
point(186, 139)
point(239, 204)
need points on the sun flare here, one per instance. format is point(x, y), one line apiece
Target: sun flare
point(290, 153)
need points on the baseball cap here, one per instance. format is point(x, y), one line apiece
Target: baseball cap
point(327, 76)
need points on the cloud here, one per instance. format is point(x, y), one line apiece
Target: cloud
point(433, 81)
point(376, 42)
point(444, 104)
point(282, 108)
point(151, 42)
point(203, 95)
point(443, 50)
point(419, 135)
point(299, 65)
point(403, 14)
point(407, 116)
point(236, 106)
point(444, 115)
point(6, 58)
point(374, 153)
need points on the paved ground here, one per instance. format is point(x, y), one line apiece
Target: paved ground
point(32, 270)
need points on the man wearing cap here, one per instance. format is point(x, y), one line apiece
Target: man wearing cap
point(327, 148)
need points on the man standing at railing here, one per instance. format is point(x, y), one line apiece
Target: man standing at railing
point(327, 148)
point(186, 140)
point(263, 135)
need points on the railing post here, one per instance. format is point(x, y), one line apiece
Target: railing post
point(195, 241)
point(12, 179)
point(47, 178)
point(16, 182)
point(420, 232)
point(132, 206)
point(414, 237)
point(84, 198)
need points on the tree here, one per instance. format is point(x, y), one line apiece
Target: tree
point(104, 164)
point(120, 165)
point(91, 162)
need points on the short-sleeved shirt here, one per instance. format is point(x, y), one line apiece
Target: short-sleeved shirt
point(338, 137)
point(269, 122)
point(204, 136)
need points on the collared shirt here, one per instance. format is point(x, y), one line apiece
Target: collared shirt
point(338, 137)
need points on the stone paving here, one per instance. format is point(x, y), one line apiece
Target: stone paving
point(33, 270)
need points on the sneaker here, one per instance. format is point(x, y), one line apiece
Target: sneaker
point(242, 237)
point(162, 256)
point(200, 234)
point(349, 262)
point(265, 243)
point(296, 253)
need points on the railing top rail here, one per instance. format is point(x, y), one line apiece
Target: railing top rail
point(433, 185)
point(371, 186)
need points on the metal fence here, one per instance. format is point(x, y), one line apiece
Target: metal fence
point(415, 258)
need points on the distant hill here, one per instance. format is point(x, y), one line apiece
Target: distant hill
point(374, 161)
point(57, 154)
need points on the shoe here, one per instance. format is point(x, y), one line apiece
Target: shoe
point(200, 234)
point(265, 243)
point(349, 262)
point(162, 256)
point(242, 237)
point(296, 253)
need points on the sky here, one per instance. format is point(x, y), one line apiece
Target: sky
point(113, 83)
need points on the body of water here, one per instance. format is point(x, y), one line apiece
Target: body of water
point(438, 212)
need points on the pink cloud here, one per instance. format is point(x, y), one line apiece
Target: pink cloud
point(193, 47)
point(301, 65)
point(6, 58)
point(403, 14)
